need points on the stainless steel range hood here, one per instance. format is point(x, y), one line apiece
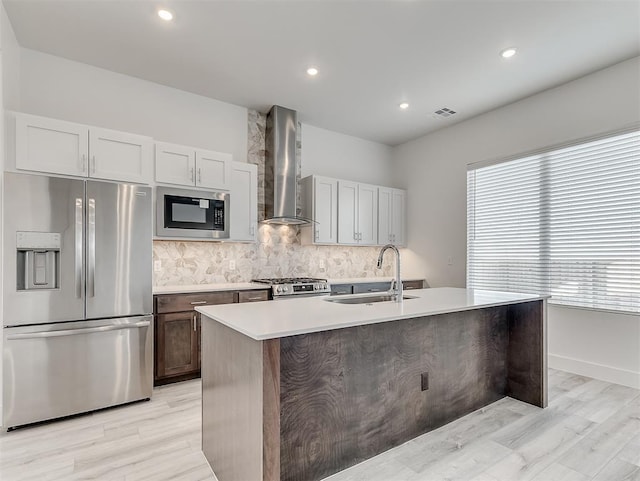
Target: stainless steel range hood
point(281, 180)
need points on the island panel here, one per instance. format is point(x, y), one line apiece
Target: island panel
point(232, 400)
point(527, 354)
point(349, 394)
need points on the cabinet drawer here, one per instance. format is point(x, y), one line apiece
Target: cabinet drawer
point(339, 289)
point(371, 287)
point(408, 285)
point(186, 302)
point(253, 296)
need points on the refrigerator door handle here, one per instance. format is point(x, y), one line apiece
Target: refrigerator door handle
point(75, 332)
point(78, 248)
point(91, 249)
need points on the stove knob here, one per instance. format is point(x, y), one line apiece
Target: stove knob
point(316, 287)
point(285, 288)
point(279, 289)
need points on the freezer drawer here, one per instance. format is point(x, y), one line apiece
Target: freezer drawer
point(60, 369)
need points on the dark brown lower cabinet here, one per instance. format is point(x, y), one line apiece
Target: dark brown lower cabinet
point(177, 345)
point(177, 330)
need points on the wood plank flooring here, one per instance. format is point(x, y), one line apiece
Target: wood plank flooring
point(590, 431)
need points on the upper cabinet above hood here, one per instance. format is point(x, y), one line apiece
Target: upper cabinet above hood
point(281, 179)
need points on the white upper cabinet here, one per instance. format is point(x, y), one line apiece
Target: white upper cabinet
point(188, 166)
point(391, 216)
point(60, 147)
point(347, 212)
point(175, 164)
point(368, 214)
point(353, 213)
point(119, 156)
point(357, 213)
point(244, 202)
point(213, 169)
point(320, 196)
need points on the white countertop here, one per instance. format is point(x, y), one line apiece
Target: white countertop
point(360, 280)
point(290, 317)
point(243, 286)
point(219, 286)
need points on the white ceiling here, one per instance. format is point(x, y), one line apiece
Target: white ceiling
point(372, 55)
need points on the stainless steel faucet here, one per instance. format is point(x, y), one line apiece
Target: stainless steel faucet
point(398, 287)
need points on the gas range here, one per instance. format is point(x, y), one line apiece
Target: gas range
point(284, 287)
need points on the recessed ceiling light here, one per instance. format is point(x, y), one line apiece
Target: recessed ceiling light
point(165, 15)
point(404, 105)
point(508, 52)
point(312, 71)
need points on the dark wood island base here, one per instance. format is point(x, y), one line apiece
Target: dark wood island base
point(303, 407)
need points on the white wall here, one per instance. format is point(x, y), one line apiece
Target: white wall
point(10, 63)
point(433, 168)
point(344, 157)
point(55, 87)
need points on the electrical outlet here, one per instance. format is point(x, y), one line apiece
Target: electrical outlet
point(232, 265)
point(449, 261)
point(157, 266)
point(321, 264)
point(424, 381)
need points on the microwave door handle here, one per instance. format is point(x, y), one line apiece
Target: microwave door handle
point(91, 249)
point(79, 227)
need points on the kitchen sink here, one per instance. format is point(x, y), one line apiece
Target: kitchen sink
point(365, 299)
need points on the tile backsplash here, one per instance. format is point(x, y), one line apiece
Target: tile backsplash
point(278, 253)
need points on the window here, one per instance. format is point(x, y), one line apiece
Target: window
point(564, 222)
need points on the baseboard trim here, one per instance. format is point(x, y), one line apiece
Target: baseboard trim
point(596, 371)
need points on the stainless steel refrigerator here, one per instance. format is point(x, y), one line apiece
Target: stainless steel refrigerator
point(77, 302)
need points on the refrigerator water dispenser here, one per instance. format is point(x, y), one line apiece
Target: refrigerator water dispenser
point(38, 260)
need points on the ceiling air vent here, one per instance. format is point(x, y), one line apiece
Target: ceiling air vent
point(443, 113)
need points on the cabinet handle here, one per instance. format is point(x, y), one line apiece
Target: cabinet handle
point(194, 322)
point(257, 298)
point(93, 164)
point(198, 302)
point(191, 175)
point(83, 160)
point(199, 175)
point(252, 230)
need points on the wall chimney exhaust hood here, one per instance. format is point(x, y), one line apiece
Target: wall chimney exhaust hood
point(281, 179)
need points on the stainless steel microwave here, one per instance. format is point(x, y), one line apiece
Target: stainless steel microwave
point(190, 213)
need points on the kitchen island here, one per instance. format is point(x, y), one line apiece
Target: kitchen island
point(300, 389)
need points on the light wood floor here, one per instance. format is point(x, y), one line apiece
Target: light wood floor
point(591, 430)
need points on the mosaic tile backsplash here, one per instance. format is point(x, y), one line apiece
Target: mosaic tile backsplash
point(278, 253)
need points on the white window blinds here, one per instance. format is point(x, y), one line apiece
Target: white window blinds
point(564, 222)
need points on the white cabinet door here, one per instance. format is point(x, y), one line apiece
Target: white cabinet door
point(391, 216)
point(119, 156)
point(385, 196)
point(213, 169)
point(398, 217)
point(244, 201)
point(367, 214)
point(347, 212)
point(325, 210)
point(49, 145)
point(175, 164)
